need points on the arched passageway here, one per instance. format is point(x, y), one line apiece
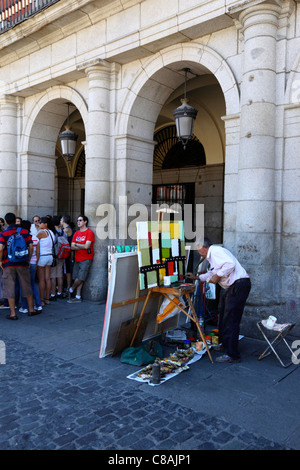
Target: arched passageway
point(41, 152)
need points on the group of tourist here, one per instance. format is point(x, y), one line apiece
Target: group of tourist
point(42, 261)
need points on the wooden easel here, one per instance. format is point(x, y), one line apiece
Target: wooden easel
point(166, 292)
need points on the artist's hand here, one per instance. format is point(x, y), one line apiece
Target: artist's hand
point(191, 276)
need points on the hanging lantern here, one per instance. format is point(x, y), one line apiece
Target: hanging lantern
point(68, 140)
point(185, 116)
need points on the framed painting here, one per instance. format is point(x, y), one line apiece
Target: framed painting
point(124, 303)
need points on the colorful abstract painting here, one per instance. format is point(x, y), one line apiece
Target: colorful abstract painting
point(161, 252)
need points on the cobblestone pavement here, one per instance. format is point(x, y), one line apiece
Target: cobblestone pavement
point(53, 403)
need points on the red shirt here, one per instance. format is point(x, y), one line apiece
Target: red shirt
point(81, 238)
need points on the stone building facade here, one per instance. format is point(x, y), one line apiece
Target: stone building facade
point(120, 65)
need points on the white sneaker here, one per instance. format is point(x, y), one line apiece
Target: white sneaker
point(23, 310)
point(38, 308)
point(2, 307)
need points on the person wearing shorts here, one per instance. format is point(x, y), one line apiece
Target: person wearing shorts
point(13, 270)
point(32, 269)
point(83, 246)
point(57, 271)
point(46, 240)
point(56, 276)
point(65, 223)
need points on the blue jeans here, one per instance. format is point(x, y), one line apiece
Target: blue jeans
point(35, 291)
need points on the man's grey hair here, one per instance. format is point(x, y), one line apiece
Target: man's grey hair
point(205, 242)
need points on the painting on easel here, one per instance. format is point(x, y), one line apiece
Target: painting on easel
point(161, 252)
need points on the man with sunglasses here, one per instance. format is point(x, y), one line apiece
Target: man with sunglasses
point(83, 246)
point(35, 226)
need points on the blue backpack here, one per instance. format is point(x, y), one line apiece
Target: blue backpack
point(17, 249)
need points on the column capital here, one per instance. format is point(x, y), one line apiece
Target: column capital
point(260, 11)
point(95, 65)
point(236, 9)
point(7, 99)
point(257, 11)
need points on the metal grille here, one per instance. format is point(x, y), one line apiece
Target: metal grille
point(169, 152)
point(13, 12)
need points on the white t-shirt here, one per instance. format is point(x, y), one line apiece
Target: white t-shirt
point(35, 241)
point(33, 230)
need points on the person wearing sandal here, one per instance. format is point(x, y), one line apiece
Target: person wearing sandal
point(33, 262)
point(46, 240)
point(12, 270)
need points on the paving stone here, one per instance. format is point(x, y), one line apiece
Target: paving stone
point(142, 444)
point(206, 445)
point(160, 435)
point(65, 439)
point(223, 437)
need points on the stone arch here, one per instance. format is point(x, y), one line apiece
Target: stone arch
point(156, 83)
point(63, 93)
point(143, 88)
point(44, 119)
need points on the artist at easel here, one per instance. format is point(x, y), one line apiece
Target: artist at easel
point(228, 272)
point(162, 266)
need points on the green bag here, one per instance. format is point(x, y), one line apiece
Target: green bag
point(143, 354)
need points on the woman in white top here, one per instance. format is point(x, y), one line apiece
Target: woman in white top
point(46, 239)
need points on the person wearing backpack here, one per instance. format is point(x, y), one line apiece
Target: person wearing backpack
point(46, 239)
point(65, 223)
point(15, 254)
point(33, 260)
point(56, 273)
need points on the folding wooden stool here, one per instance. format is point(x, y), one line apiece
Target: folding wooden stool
point(282, 331)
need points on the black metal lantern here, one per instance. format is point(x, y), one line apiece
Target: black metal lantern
point(185, 116)
point(68, 140)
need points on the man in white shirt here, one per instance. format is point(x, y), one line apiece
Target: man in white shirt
point(229, 274)
point(35, 226)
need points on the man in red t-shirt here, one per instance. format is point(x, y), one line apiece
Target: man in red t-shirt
point(83, 245)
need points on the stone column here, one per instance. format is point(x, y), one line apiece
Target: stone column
point(133, 185)
point(97, 172)
point(37, 188)
point(232, 132)
point(290, 236)
point(8, 154)
point(255, 223)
